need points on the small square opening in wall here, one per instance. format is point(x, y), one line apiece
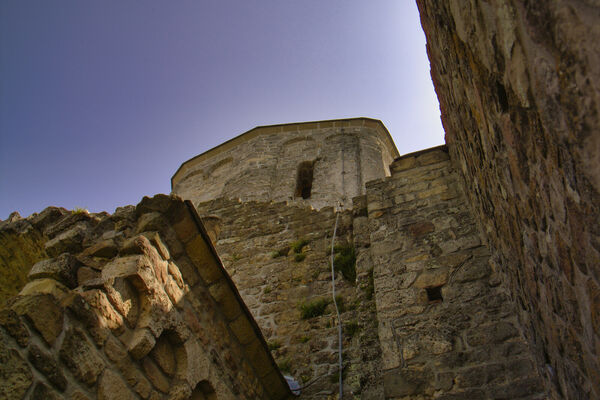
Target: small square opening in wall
point(434, 294)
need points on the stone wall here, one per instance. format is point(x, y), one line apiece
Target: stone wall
point(278, 255)
point(519, 90)
point(134, 305)
point(22, 244)
point(262, 164)
point(447, 326)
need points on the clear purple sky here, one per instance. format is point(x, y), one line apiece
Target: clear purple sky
point(101, 101)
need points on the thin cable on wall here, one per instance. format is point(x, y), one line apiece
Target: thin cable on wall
point(337, 311)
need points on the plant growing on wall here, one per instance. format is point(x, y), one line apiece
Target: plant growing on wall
point(280, 253)
point(344, 261)
point(299, 257)
point(298, 245)
point(314, 308)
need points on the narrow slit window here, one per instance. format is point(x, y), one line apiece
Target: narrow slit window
point(304, 179)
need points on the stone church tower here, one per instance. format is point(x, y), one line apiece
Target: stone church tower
point(317, 163)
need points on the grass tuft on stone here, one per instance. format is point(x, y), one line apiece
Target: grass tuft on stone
point(304, 339)
point(345, 261)
point(273, 345)
point(280, 253)
point(285, 365)
point(299, 257)
point(314, 308)
point(351, 328)
point(341, 303)
point(298, 245)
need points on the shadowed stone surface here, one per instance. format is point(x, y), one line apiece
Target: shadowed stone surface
point(519, 90)
point(122, 327)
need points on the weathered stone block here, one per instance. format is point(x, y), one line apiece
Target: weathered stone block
point(110, 317)
point(159, 203)
point(224, 296)
point(63, 269)
point(180, 391)
point(176, 274)
point(432, 157)
point(158, 379)
point(41, 391)
point(46, 286)
point(404, 382)
point(87, 275)
point(114, 349)
point(138, 269)
point(48, 216)
point(174, 291)
point(10, 321)
point(47, 365)
point(421, 228)
point(258, 358)
point(86, 315)
point(81, 357)
point(44, 313)
point(102, 249)
point(150, 222)
point(157, 242)
point(15, 375)
point(184, 225)
point(403, 163)
point(206, 265)
point(163, 355)
point(432, 278)
point(140, 343)
point(188, 271)
point(242, 329)
point(69, 241)
point(125, 299)
point(112, 386)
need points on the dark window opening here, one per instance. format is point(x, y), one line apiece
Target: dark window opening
point(304, 180)
point(502, 97)
point(203, 391)
point(434, 294)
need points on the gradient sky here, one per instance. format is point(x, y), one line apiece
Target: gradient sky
point(101, 101)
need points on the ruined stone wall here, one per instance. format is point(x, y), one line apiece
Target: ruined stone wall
point(262, 164)
point(134, 305)
point(278, 256)
point(519, 90)
point(447, 326)
point(21, 246)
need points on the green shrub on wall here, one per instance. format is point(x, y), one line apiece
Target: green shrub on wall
point(344, 261)
point(315, 308)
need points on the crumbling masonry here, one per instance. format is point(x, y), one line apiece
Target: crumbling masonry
point(465, 271)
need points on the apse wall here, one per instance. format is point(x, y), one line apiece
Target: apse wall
point(315, 163)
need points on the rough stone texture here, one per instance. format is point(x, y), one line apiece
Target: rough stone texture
point(15, 374)
point(146, 309)
point(274, 283)
point(63, 269)
point(112, 386)
point(262, 164)
point(135, 326)
point(21, 246)
point(445, 324)
point(519, 90)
